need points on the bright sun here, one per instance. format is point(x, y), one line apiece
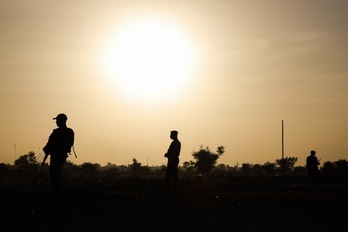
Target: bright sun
point(148, 59)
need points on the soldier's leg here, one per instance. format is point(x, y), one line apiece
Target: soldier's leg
point(168, 174)
point(56, 166)
point(175, 175)
point(54, 178)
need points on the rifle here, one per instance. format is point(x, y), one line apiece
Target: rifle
point(44, 160)
point(74, 152)
point(46, 155)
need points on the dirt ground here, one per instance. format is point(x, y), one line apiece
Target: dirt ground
point(194, 208)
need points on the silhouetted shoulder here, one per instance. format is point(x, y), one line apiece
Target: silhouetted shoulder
point(70, 130)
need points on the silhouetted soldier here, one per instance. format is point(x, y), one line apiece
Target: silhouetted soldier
point(173, 160)
point(58, 146)
point(312, 164)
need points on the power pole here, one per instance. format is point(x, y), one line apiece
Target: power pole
point(283, 148)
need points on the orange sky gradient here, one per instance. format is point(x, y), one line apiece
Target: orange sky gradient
point(251, 65)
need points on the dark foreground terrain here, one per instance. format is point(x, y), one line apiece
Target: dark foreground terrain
point(198, 206)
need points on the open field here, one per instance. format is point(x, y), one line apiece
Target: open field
point(143, 205)
point(199, 206)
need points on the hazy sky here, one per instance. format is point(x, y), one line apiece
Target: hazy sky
point(240, 68)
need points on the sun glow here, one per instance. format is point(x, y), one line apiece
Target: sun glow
point(148, 59)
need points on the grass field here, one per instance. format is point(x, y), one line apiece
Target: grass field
point(200, 205)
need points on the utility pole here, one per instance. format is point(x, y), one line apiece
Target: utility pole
point(283, 148)
point(15, 150)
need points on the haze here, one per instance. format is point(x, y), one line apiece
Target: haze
point(252, 64)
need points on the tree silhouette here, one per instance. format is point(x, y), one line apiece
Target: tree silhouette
point(89, 168)
point(189, 165)
point(27, 169)
point(205, 159)
point(111, 169)
point(27, 165)
point(338, 168)
point(246, 167)
point(269, 168)
point(26, 161)
point(328, 168)
point(341, 167)
point(288, 162)
point(3, 167)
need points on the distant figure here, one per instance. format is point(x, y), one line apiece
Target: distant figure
point(312, 164)
point(173, 160)
point(58, 146)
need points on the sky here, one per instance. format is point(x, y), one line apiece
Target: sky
point(221, 72)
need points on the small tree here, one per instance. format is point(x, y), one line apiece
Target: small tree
point(342, 167)
point(27, 168)
point(288, 162)
point(89, 168)
point(189, 165)
point(25, 161)
point(205, 159)
point(246, 167)
point(269, 168)
point(328, 168)
point(111, 169)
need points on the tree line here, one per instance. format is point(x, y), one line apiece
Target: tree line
point(204, 162)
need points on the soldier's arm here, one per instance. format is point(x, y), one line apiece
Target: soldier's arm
point(47, 149)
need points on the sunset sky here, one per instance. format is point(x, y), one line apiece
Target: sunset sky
point(222, 73)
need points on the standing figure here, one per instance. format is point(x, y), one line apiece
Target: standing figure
point(173, 160)
point(312, 164)
point(58, 147)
